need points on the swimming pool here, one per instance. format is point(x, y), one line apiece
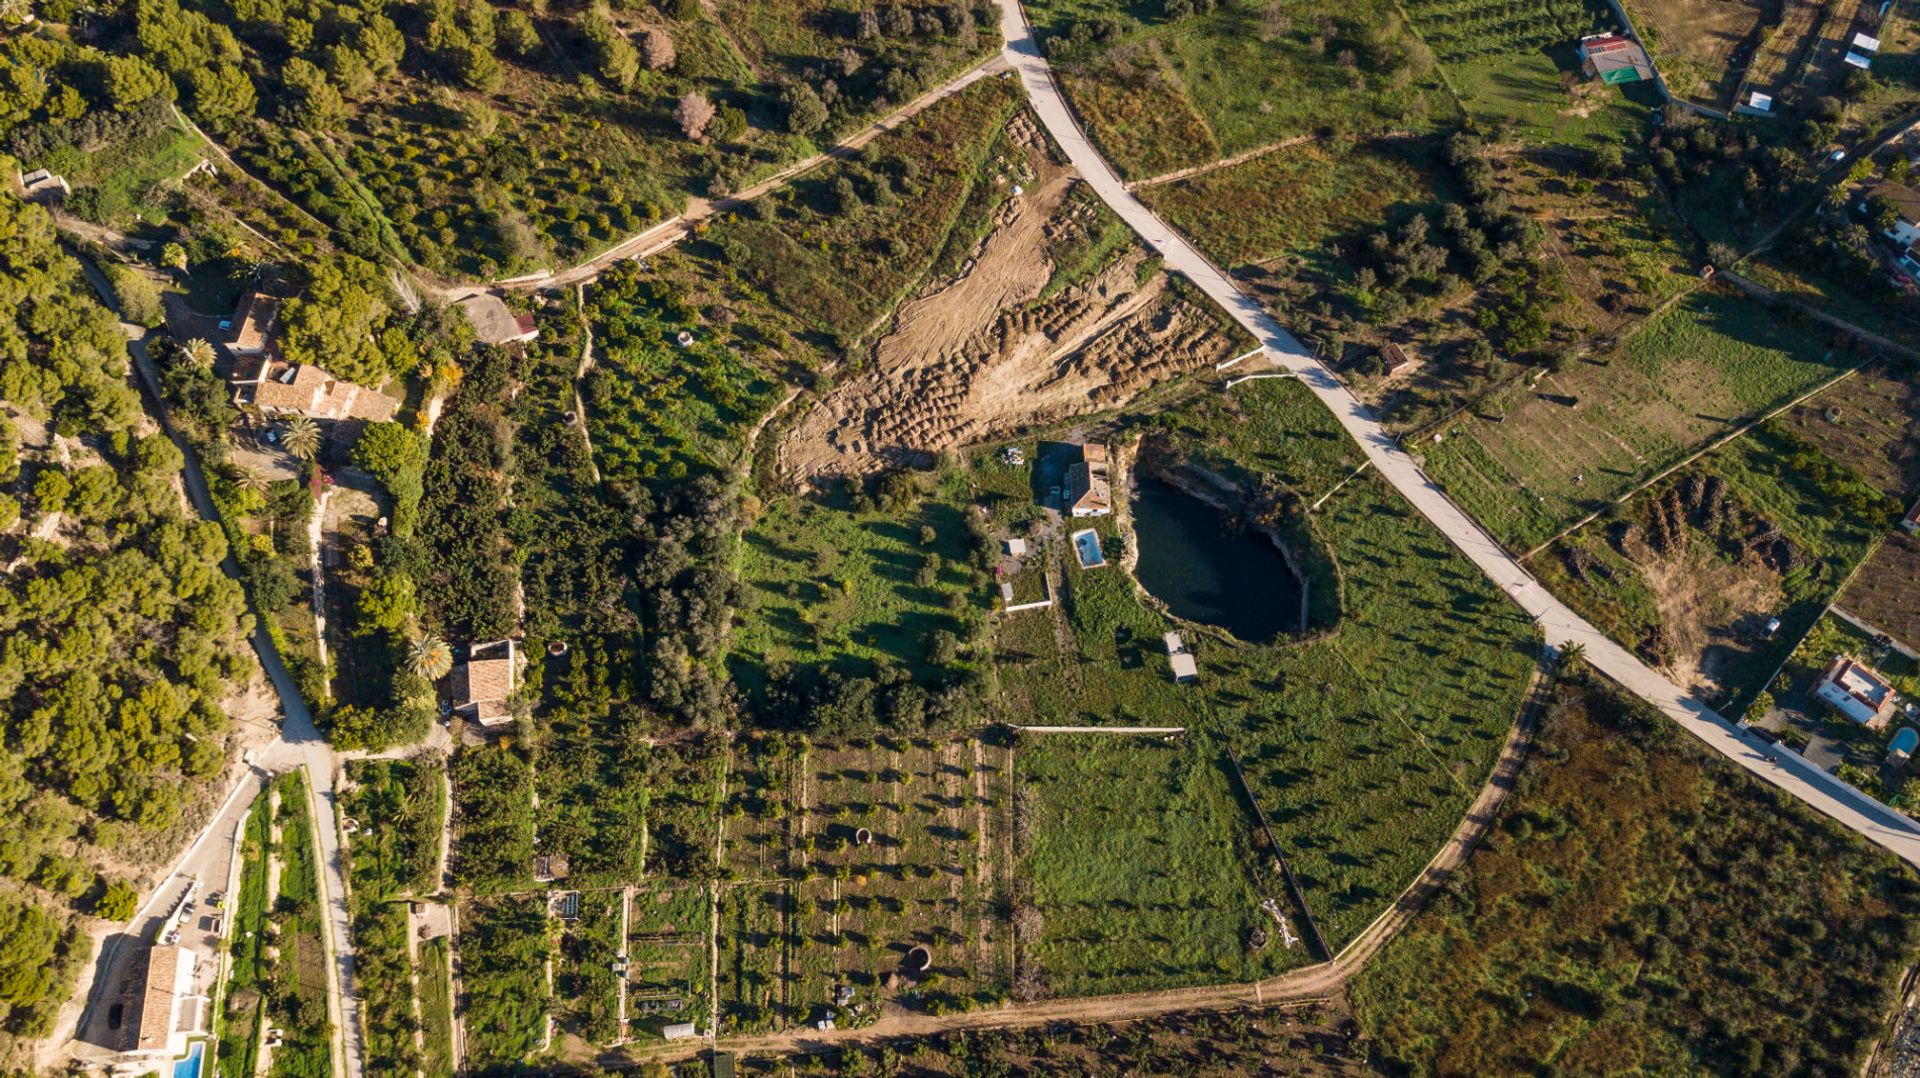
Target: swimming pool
point(1086, 544)
point(190, 1066)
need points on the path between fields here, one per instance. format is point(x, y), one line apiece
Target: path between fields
point(1312, 983)
point(1191, 171)
point(671, 231)
point(1561, 626)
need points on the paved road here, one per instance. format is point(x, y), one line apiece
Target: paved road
point(1819, 790)
point(299, 745)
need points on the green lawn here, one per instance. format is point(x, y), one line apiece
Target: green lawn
point(1141, 867)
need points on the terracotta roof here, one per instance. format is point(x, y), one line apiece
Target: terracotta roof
point(481, 685)
point(253, 322)
point(310, 391)
point(158, 998)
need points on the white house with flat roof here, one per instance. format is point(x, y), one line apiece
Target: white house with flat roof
point(1856, 690)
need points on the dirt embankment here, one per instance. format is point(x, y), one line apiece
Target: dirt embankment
point(980, 356)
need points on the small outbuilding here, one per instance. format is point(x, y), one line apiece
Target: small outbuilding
point(680, 1031)
point(482, 685)
point(1180, 659)
point(1015, 547)
point(1614, 59)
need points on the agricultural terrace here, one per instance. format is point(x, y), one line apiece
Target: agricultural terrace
point(669, 977)
point(1688, 572)
point(488, 143)
point(1165, 88)
point(586, 988)
point(242, 1022)
point(296, 951)
point(493, 819)
point(1533, 458)
point(435, 973)
point(1365, 743)
point(840, 248)
point(394, 853)
point(506, 957)
point(925, 874)
point(671, 393)
point(1514, 64)
point(849, 579)
point(1136, 869)
point(1629, 911)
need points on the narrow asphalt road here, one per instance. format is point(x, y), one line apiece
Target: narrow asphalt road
point(299, 744)
point(1784, 769)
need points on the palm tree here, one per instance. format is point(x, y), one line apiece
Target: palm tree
point(302, 438)
point(248, 479)
point(430, 657)
point(200, 352)
point(1573, 657)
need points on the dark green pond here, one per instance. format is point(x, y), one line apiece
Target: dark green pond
point(1188, 561)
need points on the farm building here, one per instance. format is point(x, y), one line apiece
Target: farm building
point(1861, 51)
point(168, 1010)
point(1911, 522)
point(1856, 690)
point(1088, 492)
point(481, 685)
point(1614, 59)
point(1015, 547)
point(680, 1031)
point(280, 388)
point(1180, 659)
point(1394, 359)
point(493, 323)
point(548, 867)
point(253, 323)
point(1906, 204)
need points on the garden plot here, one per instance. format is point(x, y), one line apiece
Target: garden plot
point(669, 966)
point(899, 853)
point(683, 807)
point(1136, 869)
point(1883, 595)
point(1703, 47)
point(504, 950)
point(1871, 422)
point(1538, 456)
point(1515, 64)
point(762, 794)
point(753, 949)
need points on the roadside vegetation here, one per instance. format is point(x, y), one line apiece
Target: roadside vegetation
point(1634, 906)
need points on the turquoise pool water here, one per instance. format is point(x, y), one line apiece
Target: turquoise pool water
point(1087, 545)
point(1906, 740)
point(190, 1066)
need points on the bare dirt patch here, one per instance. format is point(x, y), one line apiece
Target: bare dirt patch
point(979, 355)
point(1703, 600)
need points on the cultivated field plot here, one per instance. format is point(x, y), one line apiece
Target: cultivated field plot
point(829, 582)
point(504, 949)
point(1871, 423)
point(1689, 572)
point(1622, 849)
point(1883, 594)
point(1514, 63)
point(1702, 47)
point(754, 948)
point(586, 987)
point(1787, 48)
point(1292, 201)
point(901, 851)
point(669, 967)
point(683, 783)
point(1539, 456)
point(1177, 93)
point(671, 394)
point(1136, 869)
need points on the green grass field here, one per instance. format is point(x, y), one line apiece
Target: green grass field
point(1570, 442)
point(1294, 200)
point(1141, 866)
point(830, 583)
